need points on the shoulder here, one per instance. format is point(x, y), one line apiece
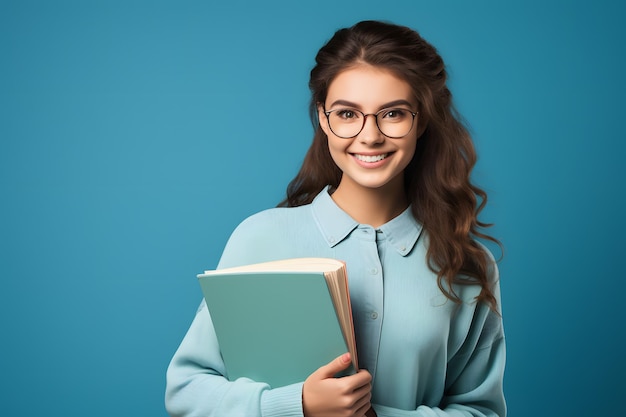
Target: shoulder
point(469, 288)
point(493, 273)
point(272, 220)
point(266, 235)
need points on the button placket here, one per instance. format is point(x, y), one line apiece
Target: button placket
point(371, 309)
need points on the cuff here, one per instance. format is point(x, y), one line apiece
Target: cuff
point(282, 402)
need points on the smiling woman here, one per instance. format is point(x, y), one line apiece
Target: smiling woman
point(385, 187)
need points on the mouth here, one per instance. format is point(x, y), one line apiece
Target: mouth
point(371, 158)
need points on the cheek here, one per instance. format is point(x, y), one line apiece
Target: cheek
point(337, 151)
point(336, 146)
point(409, 153)
point(411, 149)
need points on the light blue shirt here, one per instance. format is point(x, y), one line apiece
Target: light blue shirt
point(428, 356)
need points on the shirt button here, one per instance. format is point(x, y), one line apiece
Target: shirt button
point(331, 239)
point(374, 271)
point(373, 315)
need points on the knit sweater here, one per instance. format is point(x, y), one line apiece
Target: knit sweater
point(428, 356)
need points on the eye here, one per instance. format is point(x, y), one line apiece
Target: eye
point(395, 114)
point(347, 114)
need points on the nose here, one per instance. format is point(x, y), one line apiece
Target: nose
point(370, 133)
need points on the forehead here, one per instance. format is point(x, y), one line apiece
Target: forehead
point(368, 86)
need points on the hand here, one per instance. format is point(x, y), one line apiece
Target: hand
point(323, 395)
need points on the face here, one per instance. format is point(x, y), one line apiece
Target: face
point(370, 159)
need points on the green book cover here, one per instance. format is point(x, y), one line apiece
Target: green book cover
point(274, 326)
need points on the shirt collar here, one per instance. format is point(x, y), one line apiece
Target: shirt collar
point(335, 224)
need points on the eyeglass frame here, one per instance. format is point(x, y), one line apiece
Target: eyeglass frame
point(328, 112)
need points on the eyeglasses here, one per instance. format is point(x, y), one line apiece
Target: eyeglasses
point(348, 123)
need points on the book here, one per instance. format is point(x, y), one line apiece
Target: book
point(277, 322)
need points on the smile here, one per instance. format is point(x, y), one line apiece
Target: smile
point(371, 158)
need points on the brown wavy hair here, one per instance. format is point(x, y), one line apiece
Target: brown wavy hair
point(437, 179)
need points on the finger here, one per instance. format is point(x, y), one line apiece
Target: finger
point(362, 391)
point(362, 378)
point(361, 397)
point(362, 409)
point(332, 368)
point(357, 381)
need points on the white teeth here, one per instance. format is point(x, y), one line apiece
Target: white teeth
point(372, 158)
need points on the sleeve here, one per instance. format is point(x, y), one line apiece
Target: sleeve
point(195, 382)
point(474, 375)
point(477, 391)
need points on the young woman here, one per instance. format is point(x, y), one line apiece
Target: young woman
point(385, 187)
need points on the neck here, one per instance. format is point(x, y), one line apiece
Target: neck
point(373, 206)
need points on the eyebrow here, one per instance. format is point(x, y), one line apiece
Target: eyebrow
point(384, 106)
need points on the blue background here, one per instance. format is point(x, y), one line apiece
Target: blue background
point(135, 136)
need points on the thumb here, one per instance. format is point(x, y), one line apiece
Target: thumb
point(332, 368)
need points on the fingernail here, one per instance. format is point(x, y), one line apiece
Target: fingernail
point(345, 358)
